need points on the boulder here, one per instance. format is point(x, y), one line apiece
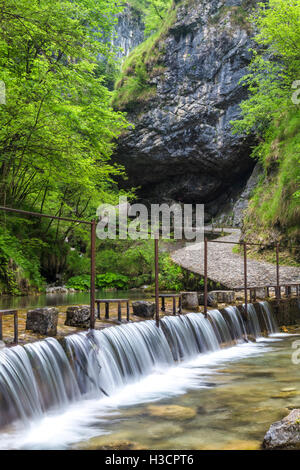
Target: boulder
point(143, 309)
point(105, 443)
point(190, 300)
point(78, 316)
point(173, 412)
point(43, 321)
point(284, 434)
point(50, 290)
point(62, 290)
point(57, 290)
point(223, 296)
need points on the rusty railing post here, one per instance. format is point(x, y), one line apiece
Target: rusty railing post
point(156, 282)
point(205, 276)
point(16, 331)
point(245, 279)
point(93, 273)
point(277, 273)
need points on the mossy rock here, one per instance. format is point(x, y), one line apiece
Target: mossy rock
point(174, 412)
point(107, 443)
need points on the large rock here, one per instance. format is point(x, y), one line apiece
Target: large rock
point(57, 290)
point(182, 147)
point(173, 412)
point(284, 434)
point(78, 316)
point(190, 300)
point(143, 309)
point(43, 321)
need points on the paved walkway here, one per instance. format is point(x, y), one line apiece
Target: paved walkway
point(227, 268)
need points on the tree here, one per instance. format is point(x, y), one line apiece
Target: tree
point(57, 128)
point(272, 114)
point(154, 13)
point(275, 65)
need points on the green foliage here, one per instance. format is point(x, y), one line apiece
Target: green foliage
point(153, 12)
point(171, 275)
point(76, 264)
point(275, 65)
point(57, 126)
point(134, 259)
point(58, 129)
point(272, 116)
point(273, 204)
point(103, 281)
point(19, 268)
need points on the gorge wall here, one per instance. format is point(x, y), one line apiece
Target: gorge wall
point(129, 32)
point(182, 147)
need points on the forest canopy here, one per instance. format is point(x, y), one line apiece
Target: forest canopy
point(272, 113)
point(57, 126)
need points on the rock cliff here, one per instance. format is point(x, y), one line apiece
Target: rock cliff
point(182, 147)
point(129, 31)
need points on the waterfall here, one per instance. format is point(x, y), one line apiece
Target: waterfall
point(52, 374)
point(237, 325)
point(253, 325)
point(271, 325)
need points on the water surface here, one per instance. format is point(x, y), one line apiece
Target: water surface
point(72, 298)
point(231, 396)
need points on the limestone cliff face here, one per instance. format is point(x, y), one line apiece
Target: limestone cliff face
point(182, 147)
point(129, 32)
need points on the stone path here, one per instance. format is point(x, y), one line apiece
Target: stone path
point(227, 268)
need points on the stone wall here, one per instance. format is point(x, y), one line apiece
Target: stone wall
point(286, 311)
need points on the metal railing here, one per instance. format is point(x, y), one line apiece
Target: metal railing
point(245, 287)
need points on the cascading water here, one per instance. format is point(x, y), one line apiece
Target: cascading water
point(253, 325)
point(47, 374)
point(236, 323)
point(271, 324)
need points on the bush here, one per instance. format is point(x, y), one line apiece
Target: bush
point(103, 281)
point(19, 263)
point(171, 275)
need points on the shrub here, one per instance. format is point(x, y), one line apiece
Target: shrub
point(103, 281)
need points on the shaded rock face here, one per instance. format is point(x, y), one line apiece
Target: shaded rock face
point(242, 203)
point(284, 434)
point(129, 32)
point(43, 321)
point(182, 147)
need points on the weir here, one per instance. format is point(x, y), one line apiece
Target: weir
point(52, 374)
